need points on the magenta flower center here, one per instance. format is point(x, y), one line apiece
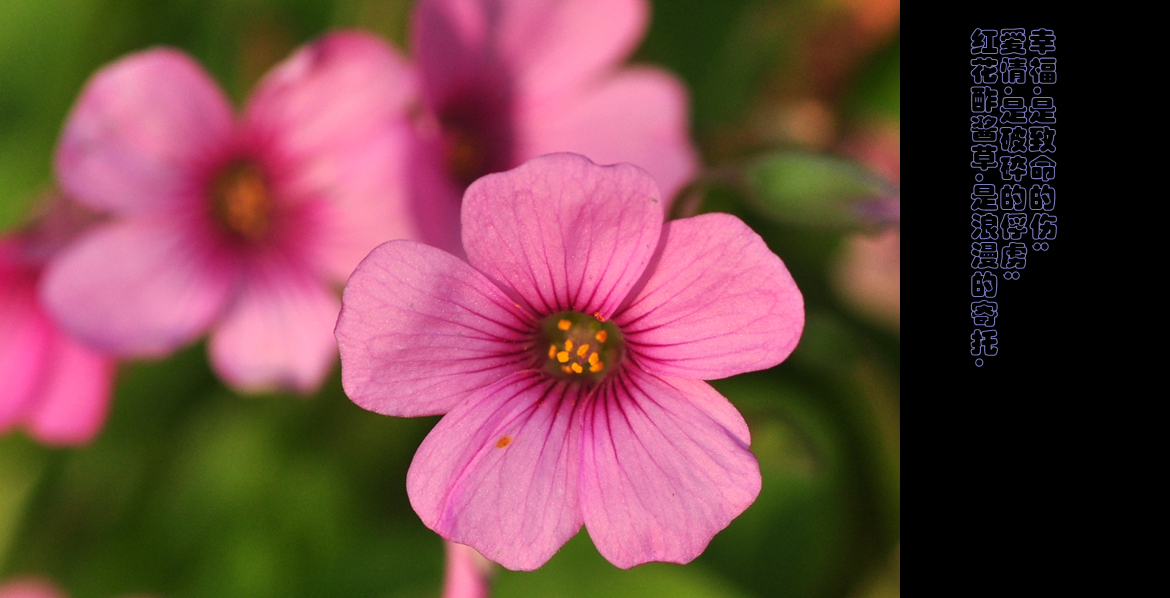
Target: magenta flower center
point(241, 200)
point(580, 348)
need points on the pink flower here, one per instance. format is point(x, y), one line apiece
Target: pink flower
point(238, 226)
point(503, 82)
point(29, 588)
point(568, 356)
point(55, 387)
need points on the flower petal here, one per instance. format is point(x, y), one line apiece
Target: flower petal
point(278, 333)
point(547, 46)
point(665, 465)
point(499, 472)
point(562, 232)
point(140, 132)
point(420, 331)
point(75, 398)
point(467, 573)
point(138, 287)
point(332, 122)
point(718, 302)
point(639, 116)
point(25, 343)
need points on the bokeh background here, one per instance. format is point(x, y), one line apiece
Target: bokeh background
point(193, 491)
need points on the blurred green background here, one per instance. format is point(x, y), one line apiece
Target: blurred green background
point(192, 491)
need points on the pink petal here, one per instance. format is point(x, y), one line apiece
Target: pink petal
point(141, 131)
point(278, 334)
point(436, 197)
point(467, 573)
point(75, 398)
point(420, 331)
point(137, 287)
point(499, 472)
point(25, 344)
point(545, 46)
point(717, 303)
point(332, 121)
point(639, 116)
point(564, 233)
point(665, 466)
point(30, 588)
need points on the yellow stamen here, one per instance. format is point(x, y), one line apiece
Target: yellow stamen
point(564, 324)
point(577, 368)
point(568, 345)
point(601, 336)
point(593, 359)
point(563, 356)
point(582, 350)
point(552, 351)
point(596, 367)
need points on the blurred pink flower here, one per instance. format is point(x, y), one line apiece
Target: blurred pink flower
point(241, 226)
point(503, 82)
point(468, 573)
point(30, 588)
point(55, 387)
point(569, 356)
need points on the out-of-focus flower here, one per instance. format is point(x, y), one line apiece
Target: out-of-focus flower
point(468, 573)
point(868, 273)
point(53, 386)
point(30, 588)
point(568, 355)
point(241, 226)
point(503, 82)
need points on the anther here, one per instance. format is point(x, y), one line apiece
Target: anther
point(582, 350)
point(564, 324)
point(568, 345)
point(601, 336)
point(563, 356)
point(577, 367)
point(552, 351)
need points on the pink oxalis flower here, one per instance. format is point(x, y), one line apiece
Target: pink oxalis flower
point(568, 354)
point(53, 386)
point(241, 226)
point(506, 81)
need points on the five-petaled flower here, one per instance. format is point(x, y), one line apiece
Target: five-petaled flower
point(504, 82)
point(246, 226)
point(568, 354)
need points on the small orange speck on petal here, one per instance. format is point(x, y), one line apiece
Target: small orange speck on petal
point(505, 441)
point(564, 324)
point(601, 336)
point(600, 318)
point(577, 368)
point(582, 350)
point(563, 356)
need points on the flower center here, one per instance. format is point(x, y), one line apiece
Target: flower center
point(466, 155)
point(241, 200)
point(580, 347)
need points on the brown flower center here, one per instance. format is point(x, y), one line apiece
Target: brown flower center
point(580, 347)
point(242, 202)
